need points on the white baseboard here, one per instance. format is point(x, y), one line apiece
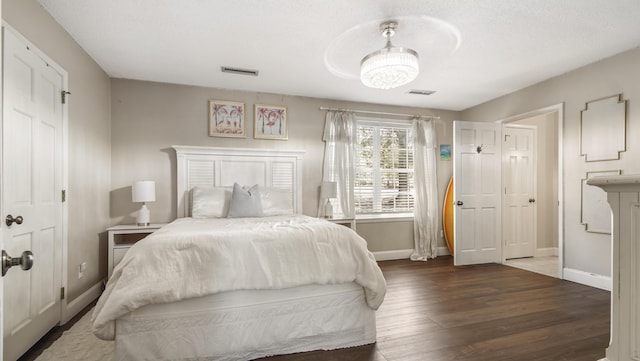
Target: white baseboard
point(586, 278)
point(404, 254)
point(443, 251)
point(546, 252)
point(540, 252)
point(79, 303)
point(391, 255)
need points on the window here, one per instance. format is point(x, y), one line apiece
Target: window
point(384, 168)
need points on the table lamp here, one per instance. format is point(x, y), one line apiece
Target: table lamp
point(328, 190)
point(143, 192)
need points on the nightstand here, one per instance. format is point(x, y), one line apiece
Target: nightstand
point(347, 222)
point(122, 237)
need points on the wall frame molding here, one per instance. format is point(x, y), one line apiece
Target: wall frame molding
point(603, 129)
point(595, 214)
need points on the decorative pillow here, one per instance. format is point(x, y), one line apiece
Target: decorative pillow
point(245, 202)
point(210, 202)
point(276, 202)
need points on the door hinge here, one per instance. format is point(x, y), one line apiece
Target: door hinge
point(64, 195)
point(62, 293)
point(64, 96)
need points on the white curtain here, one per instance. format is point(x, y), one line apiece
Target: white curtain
point(340, 136)
point(425, 223)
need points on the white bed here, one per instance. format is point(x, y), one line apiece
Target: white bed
point(244, 325)
point(275, 311)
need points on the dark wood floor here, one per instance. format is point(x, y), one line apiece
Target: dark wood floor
point(436, 312)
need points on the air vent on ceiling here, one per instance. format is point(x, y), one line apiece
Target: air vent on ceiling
point(421, 92)
point(228, 69)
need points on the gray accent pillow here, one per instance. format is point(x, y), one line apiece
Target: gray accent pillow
point(245, 202)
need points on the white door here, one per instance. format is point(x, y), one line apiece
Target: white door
point(519, 210)
point(32, 130)
point(1, 239)
point(477, 218)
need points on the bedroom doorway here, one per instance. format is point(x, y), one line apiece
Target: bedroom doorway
point(472, 153)
point(548, 253)
point(33, 208)
point(519, 171)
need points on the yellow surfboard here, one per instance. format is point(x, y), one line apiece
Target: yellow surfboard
point(447, 216)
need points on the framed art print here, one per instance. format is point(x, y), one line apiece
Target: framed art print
point(270, 122)
point(226, 119)
point(445, 151)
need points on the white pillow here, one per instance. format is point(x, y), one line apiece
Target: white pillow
point(245, 202)
point(210, 202)
point(276, 202)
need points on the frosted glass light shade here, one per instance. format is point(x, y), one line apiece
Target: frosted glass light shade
point(143, 191)
point(389, 68)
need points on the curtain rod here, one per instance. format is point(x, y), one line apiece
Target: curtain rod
point(379, 113)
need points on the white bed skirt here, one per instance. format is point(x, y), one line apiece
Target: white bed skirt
point(245, 325)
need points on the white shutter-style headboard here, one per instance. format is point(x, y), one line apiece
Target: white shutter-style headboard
point(220, 167)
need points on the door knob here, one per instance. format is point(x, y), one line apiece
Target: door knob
point(459, 203)
point(25, 261)
point(532, 200)
point(10, 220)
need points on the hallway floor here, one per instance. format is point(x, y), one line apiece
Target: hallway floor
point(543, 265)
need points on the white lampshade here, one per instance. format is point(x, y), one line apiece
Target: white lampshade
point(143, 191)
point(328, 190)
point(389, 67)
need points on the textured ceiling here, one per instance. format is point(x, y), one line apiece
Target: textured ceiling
point(470, 51)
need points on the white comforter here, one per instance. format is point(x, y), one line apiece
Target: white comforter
point(196, 257)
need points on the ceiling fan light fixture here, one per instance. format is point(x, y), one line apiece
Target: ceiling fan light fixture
point(389, 67)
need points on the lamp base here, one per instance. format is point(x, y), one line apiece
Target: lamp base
point(328, 210)
point(144, 216)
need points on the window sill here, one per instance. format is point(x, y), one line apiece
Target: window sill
point(387, 217)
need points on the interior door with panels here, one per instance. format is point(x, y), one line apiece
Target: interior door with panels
point(519, 201)
point(32, 182)
point(477, 157)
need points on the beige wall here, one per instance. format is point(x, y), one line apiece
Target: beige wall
point(386, 236)
point(147, 118)
point(89, 140)
point(583, 251)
